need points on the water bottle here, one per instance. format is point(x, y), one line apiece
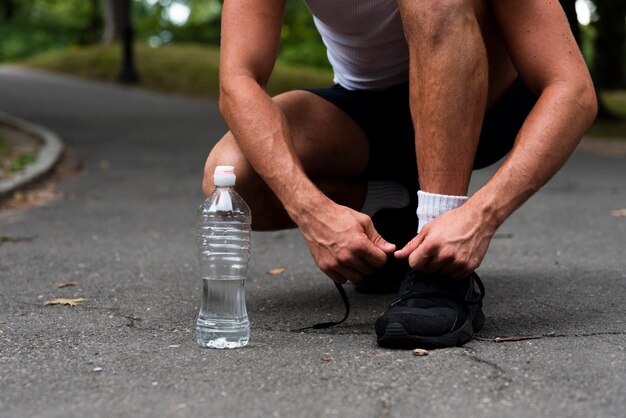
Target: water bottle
point(223, 253)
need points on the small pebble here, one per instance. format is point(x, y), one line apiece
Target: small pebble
point(97, 369)
point(419, 352)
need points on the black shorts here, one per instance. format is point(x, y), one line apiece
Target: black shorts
point(385, 117)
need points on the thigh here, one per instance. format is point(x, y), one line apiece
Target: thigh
point(384, 117)
point(328, 142)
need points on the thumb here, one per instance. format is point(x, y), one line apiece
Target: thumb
point(410, 247)
point(376, 238)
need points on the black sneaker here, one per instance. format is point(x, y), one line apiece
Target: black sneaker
point(432, 312)
point(397, 226)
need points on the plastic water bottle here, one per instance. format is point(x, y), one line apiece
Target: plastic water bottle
point(224, 253)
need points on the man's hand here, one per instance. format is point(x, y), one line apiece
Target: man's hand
point(344, 243)
point(453, 244)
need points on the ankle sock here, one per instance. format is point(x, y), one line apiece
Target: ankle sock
point(431, 205)
point(384, 195)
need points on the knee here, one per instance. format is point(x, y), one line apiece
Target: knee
point(432, 22)
point(227, 152)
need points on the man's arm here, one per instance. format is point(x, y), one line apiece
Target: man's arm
point(548, 60)
point(343, 242)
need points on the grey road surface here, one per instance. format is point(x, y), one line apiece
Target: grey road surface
point(124, 230)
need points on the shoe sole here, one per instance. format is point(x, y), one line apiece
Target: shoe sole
point(395, 336)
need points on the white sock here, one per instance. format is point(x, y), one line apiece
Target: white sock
point(384, 195)
point(430, 206)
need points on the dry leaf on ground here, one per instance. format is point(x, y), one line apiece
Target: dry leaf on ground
point(618, 213)
point(16, 240)
point(62, 301)
point(327, 357)
point(276, 271)
point(65, 284)
point(419, 352)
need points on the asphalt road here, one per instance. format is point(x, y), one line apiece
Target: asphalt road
point(124, 230)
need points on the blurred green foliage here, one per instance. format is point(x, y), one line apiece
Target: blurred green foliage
point(3, 145)
point(153, 25)
point(21, 161)
point(300, 41)
point(43, 25)
point(29, 27)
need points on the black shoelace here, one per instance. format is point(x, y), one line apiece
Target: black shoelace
point(322, 325)
point(407, 295)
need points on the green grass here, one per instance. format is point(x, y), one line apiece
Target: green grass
point(4, 146)
point(183, 69)
point(12, 159)
point(21, 161)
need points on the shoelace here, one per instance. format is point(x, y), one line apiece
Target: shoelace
point(322, 325)
point(407, 295)
point(474, 277)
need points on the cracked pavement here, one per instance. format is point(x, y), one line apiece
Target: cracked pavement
point(124, 230)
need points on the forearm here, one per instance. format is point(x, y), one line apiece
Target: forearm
point(547, 138)
point(261, 131)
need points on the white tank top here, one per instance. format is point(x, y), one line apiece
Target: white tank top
point(365, 42)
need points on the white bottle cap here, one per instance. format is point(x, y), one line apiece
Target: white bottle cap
point(224, 175)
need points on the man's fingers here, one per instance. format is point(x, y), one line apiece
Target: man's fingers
point(363, 266)
point(350, 274)
point(420, 257)
point(376, 238)
point(372, 254)
point(410, 247)
point(363, 256)
point(433, 265)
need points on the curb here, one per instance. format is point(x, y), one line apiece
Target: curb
point(48, 156)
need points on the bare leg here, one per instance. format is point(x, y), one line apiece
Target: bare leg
point(454, 73)
point(332, 148)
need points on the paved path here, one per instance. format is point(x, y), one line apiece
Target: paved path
point(126, 234)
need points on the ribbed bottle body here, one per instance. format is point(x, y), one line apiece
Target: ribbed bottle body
point(223, 255)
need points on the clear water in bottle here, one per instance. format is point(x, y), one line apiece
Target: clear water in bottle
point(224, 254)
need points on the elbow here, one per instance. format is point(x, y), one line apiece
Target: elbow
point(222, 105)
point(230, 92)
point(588, 102)
point(223, 99)
point(235, 91)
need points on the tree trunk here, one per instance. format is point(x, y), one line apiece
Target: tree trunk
point(128, 73)
point(8, 9)
point(113, 20)
point(95, 22)
point(610, 45)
